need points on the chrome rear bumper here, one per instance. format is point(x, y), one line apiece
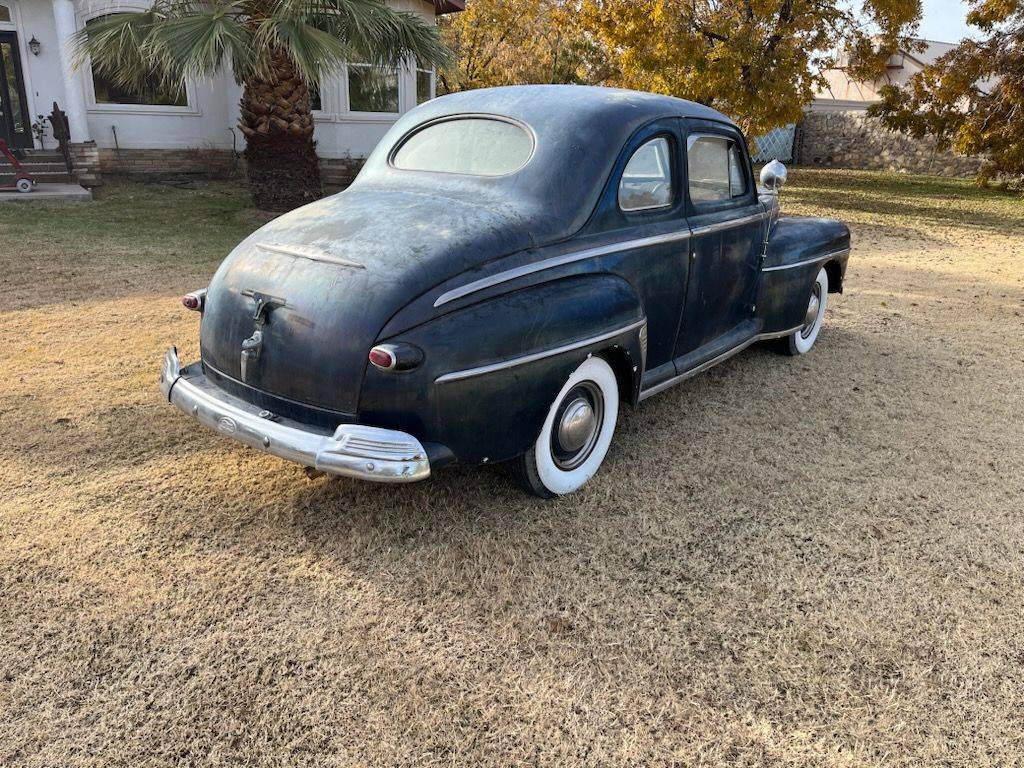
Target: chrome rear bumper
point(352, 450)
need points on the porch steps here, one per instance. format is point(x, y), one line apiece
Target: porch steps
point(47, 166)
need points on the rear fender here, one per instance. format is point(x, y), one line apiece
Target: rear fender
point(492, 370)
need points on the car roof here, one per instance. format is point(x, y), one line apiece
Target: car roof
point(536, 104)
point(580, 132)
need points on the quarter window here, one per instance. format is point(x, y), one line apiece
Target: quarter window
point(715, 167)
point(647, 180)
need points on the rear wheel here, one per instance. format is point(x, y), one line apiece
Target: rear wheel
point(576, 433)
point(800, 342)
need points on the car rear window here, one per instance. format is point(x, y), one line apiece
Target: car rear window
point(479, 146)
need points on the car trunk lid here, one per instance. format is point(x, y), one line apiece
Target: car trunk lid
point(308, 294)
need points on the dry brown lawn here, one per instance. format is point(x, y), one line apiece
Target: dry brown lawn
point(810, 562)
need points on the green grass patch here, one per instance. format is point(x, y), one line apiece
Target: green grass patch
point(189, 222)
point(871, 197)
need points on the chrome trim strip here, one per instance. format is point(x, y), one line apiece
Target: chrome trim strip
point(504, 364)
point(662, 386)
point(805, 262)
point(589, 253)
point(723, 225)
point(310, 252)
point(557, 261)
point(353, 450)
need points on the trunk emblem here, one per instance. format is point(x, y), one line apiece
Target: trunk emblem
point(253, 345)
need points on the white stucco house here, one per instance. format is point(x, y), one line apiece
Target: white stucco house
point(154, 130)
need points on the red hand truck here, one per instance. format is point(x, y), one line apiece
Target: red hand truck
point(23, 182)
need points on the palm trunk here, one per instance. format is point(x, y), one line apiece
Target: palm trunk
point(280, 153)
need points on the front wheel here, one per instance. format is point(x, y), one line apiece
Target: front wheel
point(24, 185)
point(576, 433)
point(800, 342)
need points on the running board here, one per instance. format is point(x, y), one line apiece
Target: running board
point(701, 367)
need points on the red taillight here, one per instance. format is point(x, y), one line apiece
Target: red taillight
point(383, 358)
point(194, 300)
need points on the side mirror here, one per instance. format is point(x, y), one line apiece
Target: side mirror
point(773, 176)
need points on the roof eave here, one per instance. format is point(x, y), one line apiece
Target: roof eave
point(449, 6)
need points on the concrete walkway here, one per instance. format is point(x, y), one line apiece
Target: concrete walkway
point(48, 192)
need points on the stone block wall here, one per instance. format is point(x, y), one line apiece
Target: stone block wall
point(157, 163)
point(208, 163)
point(340, 172)
point(85, 163)
point(851, 139)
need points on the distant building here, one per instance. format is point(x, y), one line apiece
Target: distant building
point(837, 133)
point(844, 93)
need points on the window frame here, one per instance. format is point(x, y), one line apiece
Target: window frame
point(673, 175)
point(416, 69)
point(346, 96)
point(732, 138)
point(190, 107)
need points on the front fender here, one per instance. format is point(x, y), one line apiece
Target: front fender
point(798, 247)
point(491, 370)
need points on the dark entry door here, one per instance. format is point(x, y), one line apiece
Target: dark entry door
point(15, 123)
point(727, 225)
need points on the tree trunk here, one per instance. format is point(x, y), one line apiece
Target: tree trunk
point(280, 153)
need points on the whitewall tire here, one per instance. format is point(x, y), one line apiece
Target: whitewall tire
point(800, 342)
point(576, 434)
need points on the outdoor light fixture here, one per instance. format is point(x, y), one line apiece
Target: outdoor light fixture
point(34, 46)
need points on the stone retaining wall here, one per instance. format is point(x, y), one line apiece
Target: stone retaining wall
point(851, 139)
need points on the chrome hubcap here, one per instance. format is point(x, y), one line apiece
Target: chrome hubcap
point(577, 425)
point(812, 311)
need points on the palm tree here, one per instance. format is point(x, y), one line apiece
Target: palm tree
point(276, 49)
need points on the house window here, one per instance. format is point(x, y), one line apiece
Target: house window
point(316, 104)
point(424, 82)
point(108, 91)
point(5, 14)
point(372, 89)
point(647, 180)
point(715, 170)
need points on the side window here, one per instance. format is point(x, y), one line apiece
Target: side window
point(715, 167)
point(707, 160)
point(647, 180)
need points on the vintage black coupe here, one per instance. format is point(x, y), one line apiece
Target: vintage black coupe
point(509, 267)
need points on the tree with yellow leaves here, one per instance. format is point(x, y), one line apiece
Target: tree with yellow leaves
point(971, 99)
point(755, 60)
point(511, 42)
